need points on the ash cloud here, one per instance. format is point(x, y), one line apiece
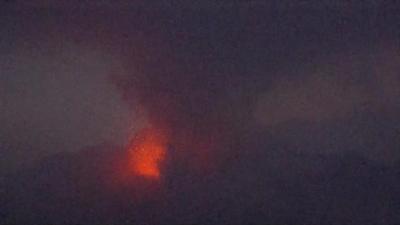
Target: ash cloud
point(212, 77)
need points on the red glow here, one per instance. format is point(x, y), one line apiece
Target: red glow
point(147, 153)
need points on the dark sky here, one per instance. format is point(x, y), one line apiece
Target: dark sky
point(282, 112)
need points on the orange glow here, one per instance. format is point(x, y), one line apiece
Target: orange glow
point(147, 153)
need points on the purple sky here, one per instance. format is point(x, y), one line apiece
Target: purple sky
point(270, 109)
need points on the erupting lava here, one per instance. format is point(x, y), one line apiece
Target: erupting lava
point(147, 153)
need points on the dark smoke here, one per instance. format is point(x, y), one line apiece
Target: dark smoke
point(212, 77)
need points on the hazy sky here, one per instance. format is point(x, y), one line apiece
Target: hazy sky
point(58, 60)
point(56, 93)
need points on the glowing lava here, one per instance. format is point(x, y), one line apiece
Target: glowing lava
point(147, 153)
